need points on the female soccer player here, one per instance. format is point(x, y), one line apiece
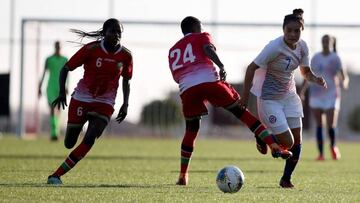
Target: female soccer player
point(191, 63)
point(327, 101)
point(53, 64)
point(104, 60)
point(279, 106)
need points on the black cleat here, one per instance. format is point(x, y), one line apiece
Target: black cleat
point(286, 184)
point(284, 154)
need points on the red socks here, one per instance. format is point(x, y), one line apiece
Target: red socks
point(256, 127)
point(187, 148)
point(76, 155)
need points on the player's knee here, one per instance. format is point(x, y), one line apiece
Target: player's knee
point(68, 141)
point(285, 139)
point(94, 131)
point(193, 125)
point(71, 136)
point(89, 140)
point(236, 110)
point(288, 144)
point(68, 145)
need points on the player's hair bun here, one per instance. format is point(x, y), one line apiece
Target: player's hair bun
point(298, 12)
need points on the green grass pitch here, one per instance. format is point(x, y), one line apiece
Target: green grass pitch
point(145, 170)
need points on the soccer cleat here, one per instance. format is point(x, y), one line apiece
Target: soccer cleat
point(286, 184)
point(284, 154)
point(335, 153)
point(54, 180)
point(320, 158)
point(261, 145)
point(183, 179)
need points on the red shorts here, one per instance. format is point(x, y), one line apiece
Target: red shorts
point(78, 111)
point(219, 94)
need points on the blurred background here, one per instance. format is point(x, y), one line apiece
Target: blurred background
point(240, 30)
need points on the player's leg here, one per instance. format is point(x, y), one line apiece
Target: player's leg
point(319, 132)
point(262, 136)
point(271, 113)
point(52, 92)
point(224, 95)
point(77, 116)
point(72, 134)
point(296, 130)
point(294, 112)
point(193, 107)
point(54, 126)
point(187, 148)
point(331, 119)
point(94, 131)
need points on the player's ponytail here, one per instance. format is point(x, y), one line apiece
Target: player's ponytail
point(334, 45)
point(99, 34)
point(93, 34)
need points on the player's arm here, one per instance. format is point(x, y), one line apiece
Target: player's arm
point(303, 89)
point(42, 80)
point(61, 100)
point(249, 76)
point(210, 52)
point(126, 92)
point(309, 76)
point(344, 79)
point(126, 75)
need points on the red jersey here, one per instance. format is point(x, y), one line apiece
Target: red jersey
point(102, 71)
point(188, 62)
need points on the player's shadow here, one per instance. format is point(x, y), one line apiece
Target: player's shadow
point(267, 171)
point(41, 185)
point(127, 157)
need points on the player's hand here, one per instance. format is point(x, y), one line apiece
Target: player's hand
point(39, 93)
point(122, 113)
point(302, 96)
point(320, 81)
point(60, 101)
point(243, 102)
point(223, 75)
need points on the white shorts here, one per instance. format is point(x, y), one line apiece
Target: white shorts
point(280, 115)
point(324, 104)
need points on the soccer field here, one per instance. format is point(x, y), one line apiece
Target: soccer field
point(145, 170)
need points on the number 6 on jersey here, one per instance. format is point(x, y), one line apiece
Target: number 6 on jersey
point(187, 56)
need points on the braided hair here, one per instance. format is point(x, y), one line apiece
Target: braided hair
point(99, 34)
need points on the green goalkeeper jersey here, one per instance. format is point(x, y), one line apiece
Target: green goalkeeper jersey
point(53, 64)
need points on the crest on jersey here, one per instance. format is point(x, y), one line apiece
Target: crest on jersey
point(272, 119)
point(119, 66)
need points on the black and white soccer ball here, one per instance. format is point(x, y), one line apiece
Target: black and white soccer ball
point(230, 179)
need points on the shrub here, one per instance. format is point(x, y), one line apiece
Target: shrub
point(354, 119)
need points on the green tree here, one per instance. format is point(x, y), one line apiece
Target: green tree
point(164, 113)
point(354, 119)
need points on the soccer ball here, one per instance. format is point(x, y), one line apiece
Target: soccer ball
point(230, 179)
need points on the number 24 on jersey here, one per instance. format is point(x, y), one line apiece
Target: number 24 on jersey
point(182, 58)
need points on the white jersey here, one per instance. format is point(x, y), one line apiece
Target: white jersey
point(276, 80)
point(328, 67)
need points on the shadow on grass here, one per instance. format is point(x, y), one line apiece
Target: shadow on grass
point(41, 185)
point(269, 187)
point(267, 171)
point(127, 157)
